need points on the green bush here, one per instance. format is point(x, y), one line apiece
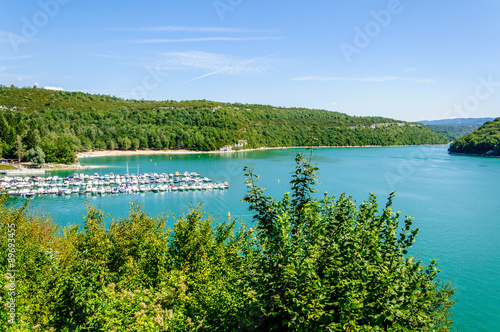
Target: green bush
point(328, 265)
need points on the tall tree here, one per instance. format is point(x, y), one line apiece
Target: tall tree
point(19, 148)
point(32, 139)
point(36, 155)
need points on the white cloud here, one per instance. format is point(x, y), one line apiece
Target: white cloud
point(181, 29)
point(100, 55)
point(209, 63)
point(15, 76)
point(231, 69)
point(199, 39)
point(55, 88)
point(6, 58)
point(420, 80)
point(364, 79)
point(5, 37)
point(213, 62)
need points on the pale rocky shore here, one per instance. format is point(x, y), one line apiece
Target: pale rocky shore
point(114, 153)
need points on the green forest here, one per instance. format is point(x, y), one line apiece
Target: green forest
point(42, 125)
point(304, 264)
point(483, 141)
point(453, 132)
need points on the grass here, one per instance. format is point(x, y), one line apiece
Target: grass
point(6, 167)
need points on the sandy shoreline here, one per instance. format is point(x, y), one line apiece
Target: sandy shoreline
point(117, 153)
point(114, 153)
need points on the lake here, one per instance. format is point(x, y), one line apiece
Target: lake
point(455, 201)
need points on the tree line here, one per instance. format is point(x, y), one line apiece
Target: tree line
point(38, 124)
point(453, 132)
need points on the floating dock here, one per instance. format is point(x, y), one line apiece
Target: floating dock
point(24, 171)
point(84, 184)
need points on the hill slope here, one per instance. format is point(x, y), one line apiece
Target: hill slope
point(483, 141)
point(453, 132)
point(453, 129)
point(59, 121)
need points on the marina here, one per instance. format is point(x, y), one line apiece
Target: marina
point(108, 184)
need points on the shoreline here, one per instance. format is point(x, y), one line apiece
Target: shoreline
point(25, 169)
point(121, 153)
point(44, 170)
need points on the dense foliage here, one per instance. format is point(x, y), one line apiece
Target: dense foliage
point(306, 265)
point(453, 133)
point(483, 141)
point(61, 123)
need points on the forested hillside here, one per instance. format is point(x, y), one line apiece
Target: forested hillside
point(453, 132)
point(36, 121)
point(453, 129)
point(483, 141)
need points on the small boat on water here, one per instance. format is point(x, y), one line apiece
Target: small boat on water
point(79, 184)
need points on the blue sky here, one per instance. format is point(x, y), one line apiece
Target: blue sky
point(404, 59)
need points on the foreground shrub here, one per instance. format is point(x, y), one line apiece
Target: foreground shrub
point(327, 265)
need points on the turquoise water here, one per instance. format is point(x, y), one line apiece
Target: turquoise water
point(455, 202)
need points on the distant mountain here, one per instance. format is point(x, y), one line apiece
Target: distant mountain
point(452, 133)
point(457, 122)
point(453, 129)
point(484, 141)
